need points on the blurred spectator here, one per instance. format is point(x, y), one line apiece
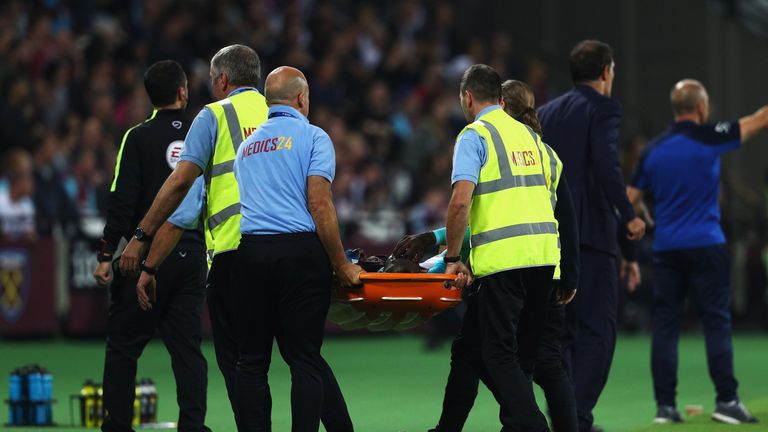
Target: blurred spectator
point(537, 76)
point(384, 78)
point(84, 183)
point(53, 205)
point(17, 211)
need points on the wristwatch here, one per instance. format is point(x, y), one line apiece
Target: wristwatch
point(146, 269)
point(141, 236)
point(102, 257)
point(452, 259)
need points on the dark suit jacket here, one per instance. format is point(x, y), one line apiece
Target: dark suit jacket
point(583, 128)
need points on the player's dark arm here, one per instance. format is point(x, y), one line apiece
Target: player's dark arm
point(752, 124)
point(604, 147)
point(323, 212)
point(565, 214)
point(170, 195)
point(124, 194)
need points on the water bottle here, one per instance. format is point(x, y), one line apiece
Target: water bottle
point(35, 396)
point(136, 407)
point(23, 416)
point(14, 392)
point(47, 397)
point(143, 400)
point(88, 404)
point(152, 402)
point(99, 405)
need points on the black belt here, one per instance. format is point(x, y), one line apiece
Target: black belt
point(273, 238)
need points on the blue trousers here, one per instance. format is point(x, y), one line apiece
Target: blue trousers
point(589, 338)
point(706, 271)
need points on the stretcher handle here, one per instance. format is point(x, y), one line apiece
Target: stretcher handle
point(406, 277)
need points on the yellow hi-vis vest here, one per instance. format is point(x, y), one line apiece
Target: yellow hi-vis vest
point(237, 117)
point(512, 220)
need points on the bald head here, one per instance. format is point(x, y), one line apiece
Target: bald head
point(287, 86)
point(689, 97)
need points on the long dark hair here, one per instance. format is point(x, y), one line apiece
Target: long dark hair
point(518, 103)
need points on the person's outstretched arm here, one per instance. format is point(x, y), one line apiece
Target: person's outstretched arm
point(752, 124)
point(324, 215)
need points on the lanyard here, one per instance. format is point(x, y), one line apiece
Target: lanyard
point(281, 114)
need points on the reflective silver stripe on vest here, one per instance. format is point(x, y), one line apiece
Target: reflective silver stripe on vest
point(553, 169)
point(223, 168)
point(507, 180)
point(552, 165)
point(223, 215)
point(513, 231)
point(233, 123)
point(510, 182)
point(538, 147)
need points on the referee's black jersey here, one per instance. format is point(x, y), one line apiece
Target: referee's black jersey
point(148, 153)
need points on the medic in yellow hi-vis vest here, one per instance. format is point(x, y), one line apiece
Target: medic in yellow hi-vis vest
point(512, 217)
point(236, 116)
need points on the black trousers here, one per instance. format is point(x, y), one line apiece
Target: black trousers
point(180, 293)
point(589, 339)
point(284, 295)
point(503, 321)
point(548, 373)
point(221, 296)
point(706, 271)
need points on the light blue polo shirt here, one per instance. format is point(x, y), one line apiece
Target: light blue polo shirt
point(187, 215)
point(271, 168)
point(470, 152)
point(201, 138)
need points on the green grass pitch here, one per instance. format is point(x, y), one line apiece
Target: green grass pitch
point(392, 385)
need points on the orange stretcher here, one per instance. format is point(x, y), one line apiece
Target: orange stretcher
point(393, 301)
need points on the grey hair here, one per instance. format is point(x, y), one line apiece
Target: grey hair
point(240, 63)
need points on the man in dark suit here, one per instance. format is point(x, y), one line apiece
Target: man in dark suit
point(583, 128)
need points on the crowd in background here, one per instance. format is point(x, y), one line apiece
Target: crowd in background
point(383, 76)
point(383, 83)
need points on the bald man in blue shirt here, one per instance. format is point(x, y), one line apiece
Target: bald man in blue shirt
point(284, 172)
point(681, 170)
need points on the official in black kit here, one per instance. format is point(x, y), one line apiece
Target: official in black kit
point(148, 154)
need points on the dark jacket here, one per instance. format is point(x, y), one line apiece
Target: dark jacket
point(143, 164)
point(569, 236)
point(583, 128)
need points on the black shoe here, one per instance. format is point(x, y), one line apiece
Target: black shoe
point(733, 412)
point(667, 414)
point(596, 429)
